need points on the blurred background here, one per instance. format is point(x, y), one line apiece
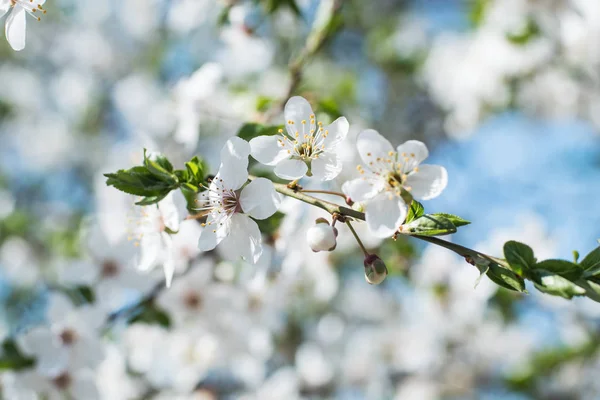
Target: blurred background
point(506, 94)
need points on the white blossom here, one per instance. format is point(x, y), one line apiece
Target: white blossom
point(228, 205)
point(305, 148)
point(387, 175)
point(16, 21)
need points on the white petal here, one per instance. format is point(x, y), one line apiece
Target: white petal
point(169, 264)
point(384, 214)
point(259, 198)
point(150, 251)
point(267, 150)
point(234, 163)
point(371, 145)
point(4, 7)
point(244, 239)
point(43, 344)
point(361, 189)
point(211, 235)
point(336, 132)
point(298, 109)
point(327, 166)
point(291, 169)
point(411, 153)
point(59, 307)
point(169, 212)
point(84, 386)
point(15, 28)
point(428, 183)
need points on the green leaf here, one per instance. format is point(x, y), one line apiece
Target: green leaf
point(139, 181)
point(251, 130)
point(196, 171)
point(151, 314)
point(456, 220)
point(415, 211)
point(519, 256)
point(556, 285)
point(269, 226)
point(477, 11)
point(159, 166)
point(563, 268)
point(329, 107)
point(146, 201)
point(273, 5)
point(505, 278)
point(429, 225)
point(530, 31)
point(11, 358)
point(591, 263)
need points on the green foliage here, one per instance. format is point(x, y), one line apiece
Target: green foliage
point(563, 268)
point(456, 220)
point(530, 31)
point(269, 226)
point(273, 5)
point(505, 278)
point(11, 358)
point(519, 256)
point(415, 210)
point(250, 130)
point(329, 107)
point(151, 314)
point(429, 225)
point(591, 263)
point(157, 178)
point(477, 11)
point(556, 285)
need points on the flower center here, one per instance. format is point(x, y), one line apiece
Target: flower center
point(63, 381)
point(221, 202)
point(307, 142)
point(192, 300)
point(109, 269)
point(68, 337)
point(32, 8)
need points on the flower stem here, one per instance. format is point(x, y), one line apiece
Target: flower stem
point(342, 195)
point(360, 243)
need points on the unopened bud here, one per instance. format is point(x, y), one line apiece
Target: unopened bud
point(375, 269)
point(322, 236)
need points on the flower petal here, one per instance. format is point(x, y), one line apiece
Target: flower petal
point(234, 163)
point(327, 166)
point(4, 7)
point(150, 253)
point(267, 150)
point(371, 146)
point(411, 153)
point(361, 189)
point(259, 198)
point(336, 132)
point(169, 212)
point(15, 28)
point(244, 240)
point(213, 233)
point(428, 182)
point(298, 109)
point(291, 169)
point(384, 214)
point(84, 386)
point(169, 264)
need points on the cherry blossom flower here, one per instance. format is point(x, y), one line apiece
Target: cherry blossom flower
point(228, 205)
point(389, 175)
point(70, 340)
point(16, 21)
point(29, 384)
point(307, 148)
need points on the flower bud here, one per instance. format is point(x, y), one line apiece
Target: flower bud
point(322, 236)
point(375, 269)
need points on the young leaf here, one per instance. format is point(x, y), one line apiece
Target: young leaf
point(196, 171)
point(591, 263)
point(139, 182)
point(519, 256)
point(456, 220)
point(558, 286)
point(505, 278)
point(159, 166)
point(415, 211)
point(563, 268)
point(429, 225)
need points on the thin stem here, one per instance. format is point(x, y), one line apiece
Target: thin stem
point(360, 243)
point(342, 195)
